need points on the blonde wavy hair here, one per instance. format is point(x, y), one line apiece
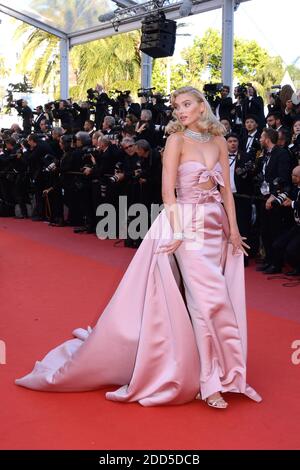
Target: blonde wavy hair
point(208, 122)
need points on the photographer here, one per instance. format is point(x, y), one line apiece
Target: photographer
point(89, 127)
point(25, 111)
point(82, 115)
point(100, 100)
point(39, 112)
point(237, 112)
point(82, 185)
point(34, 157)
point(241, 165)
point(253, 104)
point(106, 175)
point(54, 142)
point(223, 104)
point(274, 120)
point(273, 166)
point(49, 114)
point(7, 175)
point(145, 129)
point(286, 248)
point(250, 136)
point(295, 143)
point(130, 107)
point(62, 111)
point(108, 125)
point(151, 172)
point(68, 166)
point(53, 192)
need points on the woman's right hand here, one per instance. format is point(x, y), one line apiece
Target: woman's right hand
point(170, 248)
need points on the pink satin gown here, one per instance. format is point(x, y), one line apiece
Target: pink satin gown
point(158, 345)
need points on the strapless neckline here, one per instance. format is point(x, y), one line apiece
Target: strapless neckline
point(199, 163)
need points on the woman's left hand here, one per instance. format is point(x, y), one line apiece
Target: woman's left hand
point(238, 243)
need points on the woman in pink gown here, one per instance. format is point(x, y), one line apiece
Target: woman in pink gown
point(159, 342)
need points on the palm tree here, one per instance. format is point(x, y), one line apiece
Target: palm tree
point(4, 71)
point(114, 61)
point(40, 55)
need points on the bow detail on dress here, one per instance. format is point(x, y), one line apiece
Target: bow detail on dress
point(214, 174)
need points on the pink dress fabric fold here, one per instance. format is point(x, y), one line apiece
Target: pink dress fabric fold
point(176, 325)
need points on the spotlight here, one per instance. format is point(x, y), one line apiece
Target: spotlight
point(106, 17)
point(186, 8)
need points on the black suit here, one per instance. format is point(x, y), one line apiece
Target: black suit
point(254, 106)
point(255, 144)
point(35, 163)
point(225, 107)
point(278, 166)
point(287, 246)
point(243, 180)
point(135, 109)
point(273, 221)
point(27, 116)
point(36, 122)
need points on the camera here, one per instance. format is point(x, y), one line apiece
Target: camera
point(282, 192)
point(119, 168)
point(49, 163)
point(212, 88)
point(210, 91)
point(242, 90)
point(276, 92)
point(245, 169)
point(146, 93)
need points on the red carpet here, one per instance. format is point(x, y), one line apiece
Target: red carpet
point(53, 281)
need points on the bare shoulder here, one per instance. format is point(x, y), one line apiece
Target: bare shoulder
point(175, 138)
point(220, 141)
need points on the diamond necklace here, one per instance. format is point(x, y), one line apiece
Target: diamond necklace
point(200, 136)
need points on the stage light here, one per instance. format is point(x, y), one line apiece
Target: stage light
point(186, 8)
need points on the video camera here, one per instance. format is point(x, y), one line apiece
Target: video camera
point(96, 98)
point(146, 93)
point(276, 92)
point(212, 88)
point(210, 91)
point(242, 90)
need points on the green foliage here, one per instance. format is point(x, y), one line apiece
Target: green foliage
point(4, 71)
point(202, 62)
point(114, 62)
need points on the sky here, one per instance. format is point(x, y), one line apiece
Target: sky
point(274, 24)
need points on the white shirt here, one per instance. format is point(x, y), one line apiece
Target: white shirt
point(232, 169)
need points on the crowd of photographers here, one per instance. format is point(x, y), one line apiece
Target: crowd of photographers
point(110, 146)
point(264, 158)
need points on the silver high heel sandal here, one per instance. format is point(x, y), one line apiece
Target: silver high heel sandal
point(216, 403)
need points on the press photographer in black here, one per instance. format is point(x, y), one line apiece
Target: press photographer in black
point(34, 157)
point(100, 101)
point(26, 112)
point(223, 103)
point(286, 248)
point(272, 167)
point(241, 165)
